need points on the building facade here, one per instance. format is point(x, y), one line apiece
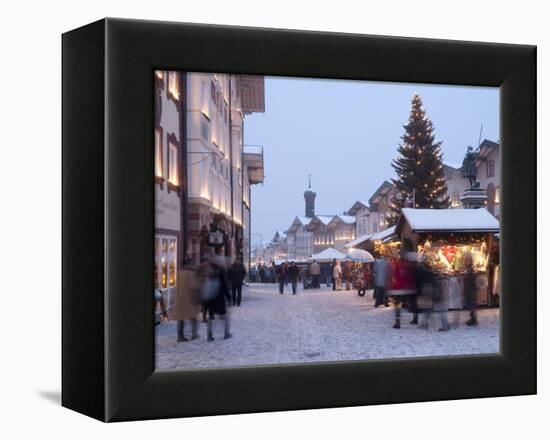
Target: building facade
point(488, 176)
point(170, 175)
point(360, 210)
point(312, 233)
point(220, 171)
point(203, 172)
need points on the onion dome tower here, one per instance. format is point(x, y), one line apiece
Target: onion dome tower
point(309, 196)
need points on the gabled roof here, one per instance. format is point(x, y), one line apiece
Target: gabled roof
point(347, 219)
point(278, 236)
point(325, 219)
point(319, 219)
point(455, 220)
point(298, 220)
point(485, 149)
point(381, 192)
point(357, 206)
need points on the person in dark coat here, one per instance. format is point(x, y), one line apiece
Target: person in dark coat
point(262, 273)
point(470, 290)
point(281, 277)
point(214, 293)
point(236, 274)
point(293, 273)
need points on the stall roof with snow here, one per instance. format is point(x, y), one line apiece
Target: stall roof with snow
point(359, 240)
point(328, 255)
point(452, 220)
point(383, 235)
point(360, 255)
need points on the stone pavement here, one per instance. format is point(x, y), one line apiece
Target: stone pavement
point(317, 326)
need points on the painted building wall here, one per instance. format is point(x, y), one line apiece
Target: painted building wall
point(168, 194)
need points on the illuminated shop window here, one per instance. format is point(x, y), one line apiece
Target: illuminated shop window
point(156, 270)
point(497, 195)
point(172, 266)
point(164, 273)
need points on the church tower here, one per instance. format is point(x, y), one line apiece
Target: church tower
point(309, 196)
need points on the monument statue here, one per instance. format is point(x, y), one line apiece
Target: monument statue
point(469, 169)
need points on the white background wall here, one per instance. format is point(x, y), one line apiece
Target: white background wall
point(31, 234)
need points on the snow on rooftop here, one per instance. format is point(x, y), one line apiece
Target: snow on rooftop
point(458, 220)
point(357, 241)
point(304, 220)
point(328, 255)
point(347, 219)
point(325, 219)
point(383, 234)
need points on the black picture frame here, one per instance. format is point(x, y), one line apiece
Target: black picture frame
point(108, 219)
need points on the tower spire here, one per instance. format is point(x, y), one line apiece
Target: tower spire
point(309, 196)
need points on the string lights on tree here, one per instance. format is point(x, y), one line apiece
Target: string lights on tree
point(420, 181)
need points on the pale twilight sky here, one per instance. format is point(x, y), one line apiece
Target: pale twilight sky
point(345, 134)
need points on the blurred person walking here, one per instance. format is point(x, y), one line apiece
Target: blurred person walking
point(470, 290)
point(315, 272)
point(337, 276)
point(403, 285)
point(347, 273)
point(187, 301)
point(381, 279)
point(214, 293)
point(293, 273)
point(236, 274)
point(281, 277)
point(261, 271)
point(429, 286)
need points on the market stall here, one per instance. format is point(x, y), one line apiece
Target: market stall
point(362, 269)
point(386, 243)
point(451, 240)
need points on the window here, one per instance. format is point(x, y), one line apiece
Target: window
point(205, 103)
point(173, 175)
point(158, 152)
point(490, 168)
point(205, 131)
point(165, 262)
point(455, 200)
point(173, 85)
point(497, 195)
point(159, 79)
point(382, 220)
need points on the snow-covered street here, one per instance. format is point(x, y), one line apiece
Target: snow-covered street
point(316, 326)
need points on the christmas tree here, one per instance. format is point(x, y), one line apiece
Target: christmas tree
point(420, 181)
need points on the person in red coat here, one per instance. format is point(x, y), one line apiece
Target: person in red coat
point(402, 285)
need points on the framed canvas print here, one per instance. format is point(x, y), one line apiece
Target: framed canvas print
point(261, 220)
